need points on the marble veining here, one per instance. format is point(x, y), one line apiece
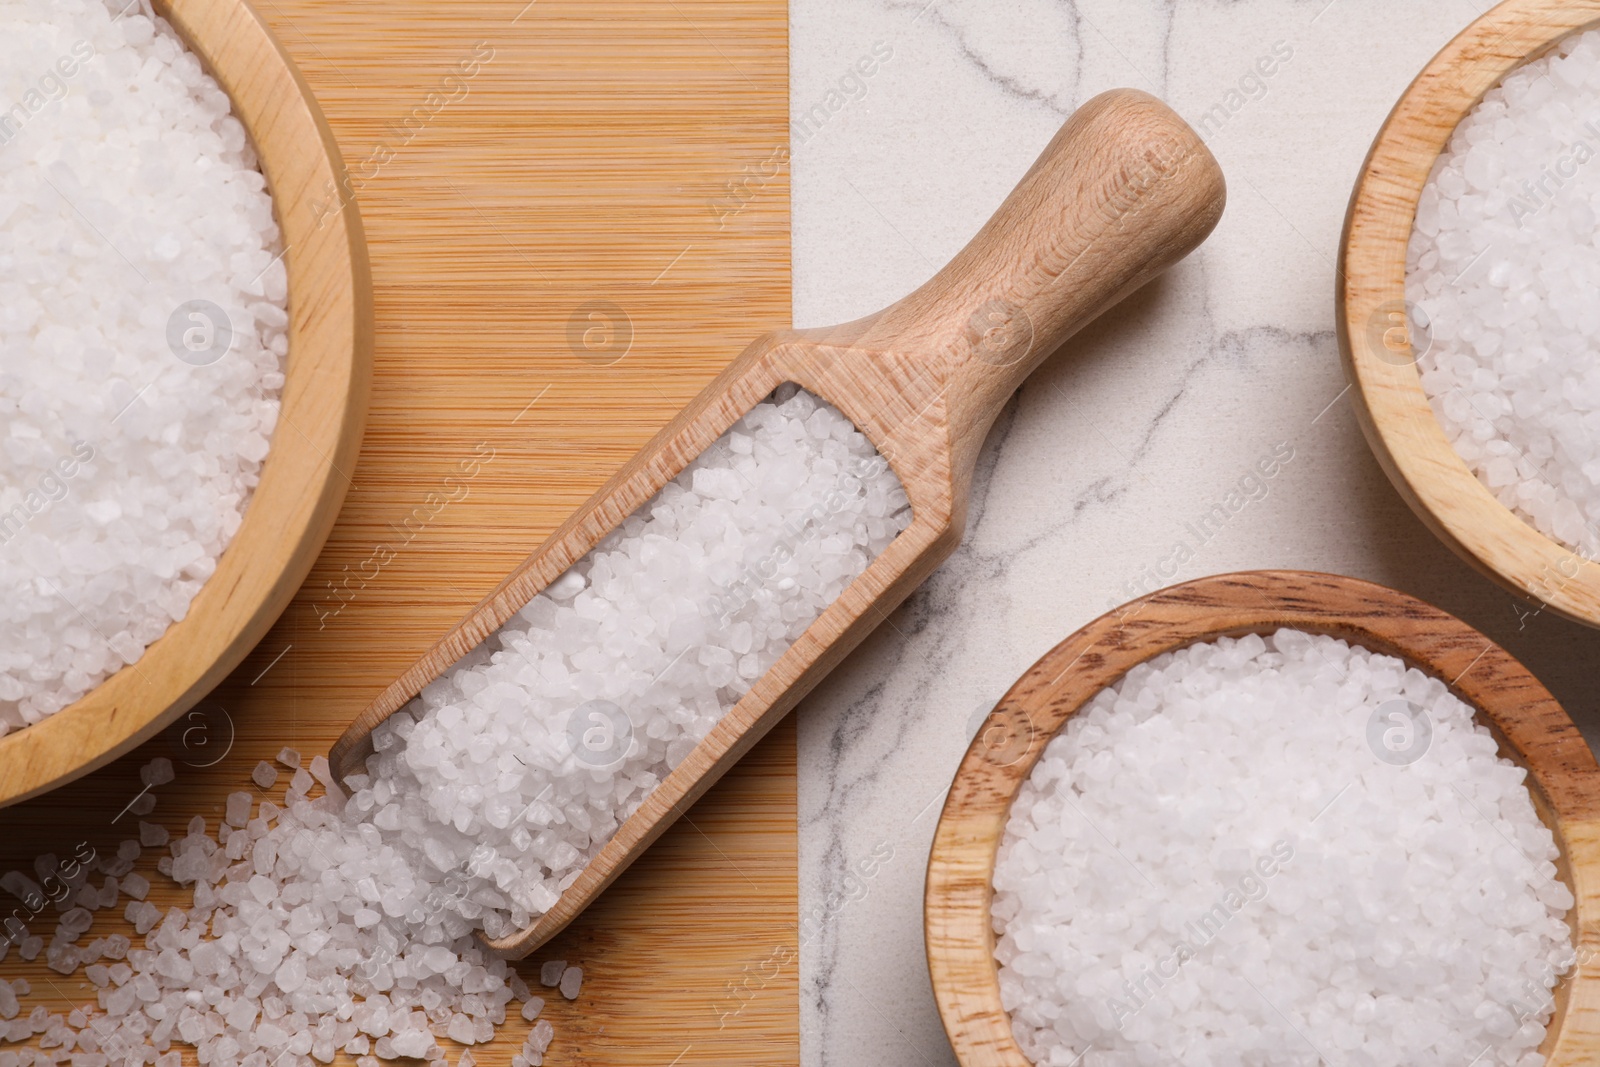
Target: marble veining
point(1116, 467)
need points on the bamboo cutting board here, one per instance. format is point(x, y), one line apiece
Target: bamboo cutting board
point(577, 213)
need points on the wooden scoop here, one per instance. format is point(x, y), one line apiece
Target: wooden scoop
point(1122, 192)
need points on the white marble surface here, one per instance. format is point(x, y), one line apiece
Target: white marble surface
point(1091, 474)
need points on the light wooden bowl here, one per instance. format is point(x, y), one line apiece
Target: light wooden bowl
point(1531, 727)
point(1373, 338)
point(313, 453)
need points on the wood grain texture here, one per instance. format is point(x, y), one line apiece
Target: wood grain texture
point(306, 474)
point(1391, 406)
point(1124, 190)
point(580, 165)
point(1531, 727)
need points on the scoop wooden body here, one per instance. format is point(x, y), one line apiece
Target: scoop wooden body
point(1123, 191)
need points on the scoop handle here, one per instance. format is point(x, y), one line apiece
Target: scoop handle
point(1124, 190)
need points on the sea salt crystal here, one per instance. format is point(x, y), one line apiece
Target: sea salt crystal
point(142, 914)
point(129, 457)
point(237, 811)
point(134, 885)
point(590, 695)
point(265, 775)
point(413, 1043)
point(461, 1030)
point(290, 758)
point(1504, 267)
point(351, 922)
point(571, 982)
point(1377, 826)
point(320, 770)
point(157, 772)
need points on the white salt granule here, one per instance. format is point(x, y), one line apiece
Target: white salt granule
point(1504, 264)
point(348, 923)
point(125, 469)
point(289, 758)
point(237, 810)
point(269, 955)
point(1220, 860)
point(520, 762)
point(534, 1048)
point(157, 772)
point(571, 982)
point(265, 775)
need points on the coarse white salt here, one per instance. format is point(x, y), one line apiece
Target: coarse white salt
point(348, 923)
point(265, 775)
point(157, 772)
point(571, 982)
point(127, 191)
point(289, 758)
point(520, 762)
point(269, 956)
point(534, 1048)
point(237, 810)
point(1504, 267)
point(414, 1044)
point(1250, 850)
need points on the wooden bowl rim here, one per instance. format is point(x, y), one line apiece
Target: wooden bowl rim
point(1530, 724)
point(1392, 407)
point(313, 449)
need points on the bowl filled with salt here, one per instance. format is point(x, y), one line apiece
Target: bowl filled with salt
point(1272, 817)
point(188, 322)
point(1465, 305)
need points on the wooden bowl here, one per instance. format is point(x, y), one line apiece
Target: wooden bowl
point(1531, 727)
point(1374, 334)
point(307, 471)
